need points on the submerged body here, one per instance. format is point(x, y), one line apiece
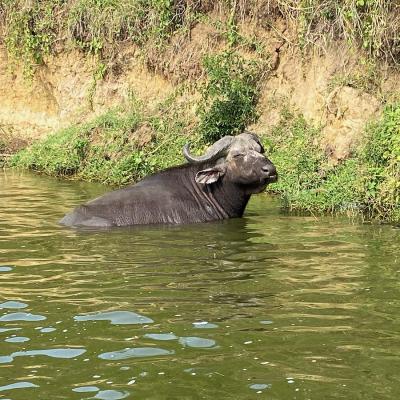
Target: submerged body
point(206, 189)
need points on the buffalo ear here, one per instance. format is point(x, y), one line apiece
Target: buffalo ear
point(209, 175)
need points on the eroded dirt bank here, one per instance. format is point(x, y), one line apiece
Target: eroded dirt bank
point(64, 92)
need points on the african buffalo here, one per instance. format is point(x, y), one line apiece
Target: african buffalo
point(211, 187)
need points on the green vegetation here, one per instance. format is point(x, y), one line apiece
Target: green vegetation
point(371, 25)
point(35, 29)
point(229, 96)
point(365, 76)
point(380, 158)
point(29, 31)
point(38, 28)
point(368, 182)
point(98, 25)
point(121, 146)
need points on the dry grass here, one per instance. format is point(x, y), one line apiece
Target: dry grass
point(10, 142)
point(99, 26)
point(373, 25)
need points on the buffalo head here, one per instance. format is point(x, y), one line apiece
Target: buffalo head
point(238, 159)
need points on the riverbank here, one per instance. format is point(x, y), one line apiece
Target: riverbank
point(112, 102)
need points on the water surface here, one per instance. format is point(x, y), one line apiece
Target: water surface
point(269, 306)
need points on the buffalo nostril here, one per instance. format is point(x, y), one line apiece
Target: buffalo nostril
point(269, 170)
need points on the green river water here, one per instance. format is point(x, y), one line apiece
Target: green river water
point(270, 306)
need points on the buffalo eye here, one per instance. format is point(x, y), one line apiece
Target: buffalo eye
point(237, 155)
point(262, 150)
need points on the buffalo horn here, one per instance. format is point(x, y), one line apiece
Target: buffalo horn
point(217, 150)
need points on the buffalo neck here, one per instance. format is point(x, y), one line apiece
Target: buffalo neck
point(221, 200)
point(227, 199)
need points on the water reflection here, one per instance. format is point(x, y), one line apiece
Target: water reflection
point(161, 336)
point(21, 316)
point(198, 342)
point(46, 330)
point(53, 353)
point(135, 353)
point(116, 318)
point(13, 304)
point(17, 339)
point(111, 395)
point(204, 325)
point(17, 385)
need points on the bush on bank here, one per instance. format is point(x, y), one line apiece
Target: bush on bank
point(35, 29)
point(229, 96)
point(368, 183)
point(380, 158)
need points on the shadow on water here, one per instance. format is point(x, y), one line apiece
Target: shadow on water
point(292, 307)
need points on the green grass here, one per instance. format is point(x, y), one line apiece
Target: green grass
point(368, 183)
point(110, 149)
point(370, 25)
point(380, 159)
point(30, 30)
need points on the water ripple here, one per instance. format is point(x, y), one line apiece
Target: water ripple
point(197, 342)
point(17, 339)
point(204, 325)
point(116, 318)
point(21, 316)
point(13, 304)
point(135, 353)
point(111, 395)
point(18, 385)
point(86, 389)
point(53, 353)
point(161, 336)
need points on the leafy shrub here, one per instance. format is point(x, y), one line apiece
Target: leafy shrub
point(380, 157)
point(371, 25)
point(229, 96)
point(30, 31)
point(33, 29)
point(368, 182)
point(58, 155)
point(95, 25)
point(298, 160)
